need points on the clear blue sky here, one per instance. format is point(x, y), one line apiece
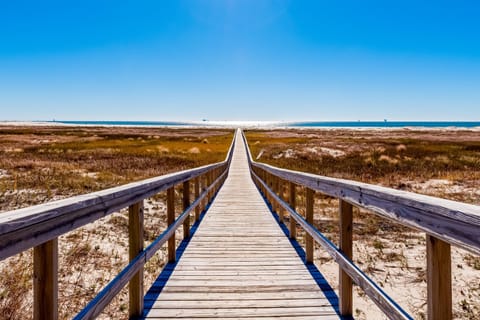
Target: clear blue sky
point(240, 60)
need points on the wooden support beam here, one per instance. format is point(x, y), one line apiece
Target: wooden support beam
point(292, 202)
point(209, 183)
point(439, 279)
point(268, 181)
point(276, 206)
point(281, 192)
point(45, 281)
point(203, 188)
point(309, 245)
point(170, 221)
point(345, 282)
point(263, 176)
point(186, 204)
point(197, 194)
point(135, 246)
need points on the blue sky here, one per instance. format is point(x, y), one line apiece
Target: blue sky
point(240, 60)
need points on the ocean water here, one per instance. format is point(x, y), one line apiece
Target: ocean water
point(388, 124)
point(124, 123)
point(325, 124)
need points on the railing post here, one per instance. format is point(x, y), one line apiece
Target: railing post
point(439, 279)
point(45, 280)
point(209, 183)
point(268, 182)
point(197, 194)
point(170, 221)
point(202, 189)
point(309, 249)
point(292, 202)
point(281, 193)
point(345, 282)
point(276, 207)
point(260, 178)
point(135, 246)
point(186, 204)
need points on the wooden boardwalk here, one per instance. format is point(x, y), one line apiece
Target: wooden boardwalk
point(239, 263)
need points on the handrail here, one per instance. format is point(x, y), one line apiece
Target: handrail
point(103, 298)
point(382, 300)
point(28, 227)
point(40, 226)
point(445, 222)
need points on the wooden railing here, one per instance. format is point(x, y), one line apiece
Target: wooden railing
point(40, 226)
point(444, 222)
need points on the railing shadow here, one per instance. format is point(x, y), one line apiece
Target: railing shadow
point(154, 292)
point(322, 283)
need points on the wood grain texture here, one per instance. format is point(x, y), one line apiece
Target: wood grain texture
point(345, 291)
point(439, 279)
point(198, 208)
point(292, 199)
point(239, 264)
point(309, 247)
point(170, 220)
point(135, 247)
point(186, 204)
point(45, 281)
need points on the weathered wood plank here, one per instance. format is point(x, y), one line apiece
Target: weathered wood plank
point(293, 202)
point(170, 220)
point(197, 194)
point(345, 282)
point(439, 279)
point(234, 296)
point(255, 303)
point(45, 281)
point(186, 204)
point(309, 247)
point(241, 312)
point(135, 246)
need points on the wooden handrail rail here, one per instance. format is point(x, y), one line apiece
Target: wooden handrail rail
point(445, 222)
point(385, 303)
point(103, 298)
point(28, 227)
point(40, 226)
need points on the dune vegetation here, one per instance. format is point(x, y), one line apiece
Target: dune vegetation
point(441, 163)
point(40, 164)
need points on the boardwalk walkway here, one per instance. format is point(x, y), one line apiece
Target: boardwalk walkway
point(239, 263)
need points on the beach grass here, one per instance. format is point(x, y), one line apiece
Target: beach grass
point(440, 163)
point(40, 164)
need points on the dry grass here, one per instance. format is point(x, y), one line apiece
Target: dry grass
point(47, 163)
point(439, 163)
point(41, 164)
point(398, 159)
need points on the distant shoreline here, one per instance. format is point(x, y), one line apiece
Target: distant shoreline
point(354, 125)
